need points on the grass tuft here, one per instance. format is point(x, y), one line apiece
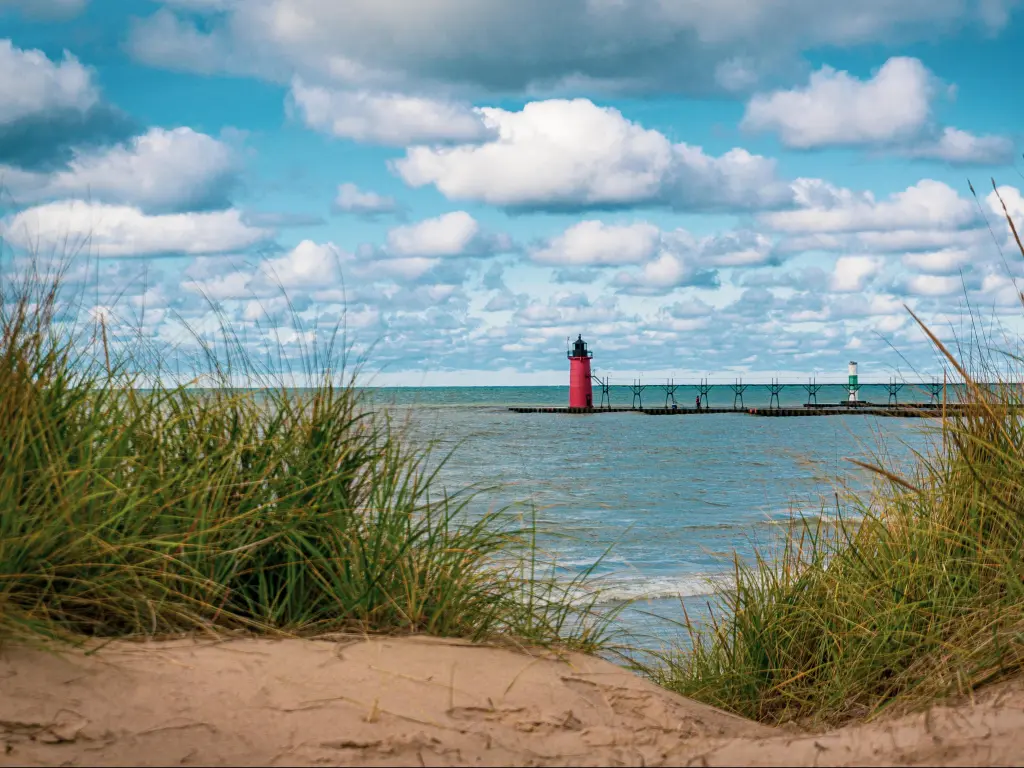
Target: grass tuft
point(136, 507)
point(919, 596)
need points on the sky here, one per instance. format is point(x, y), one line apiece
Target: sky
point(701, 188)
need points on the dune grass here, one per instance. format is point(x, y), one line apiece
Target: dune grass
point(130, 506)
point(920, 597)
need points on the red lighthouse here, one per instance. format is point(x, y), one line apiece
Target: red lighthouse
point(581, 394)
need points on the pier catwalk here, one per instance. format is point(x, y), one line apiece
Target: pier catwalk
point(945, 397)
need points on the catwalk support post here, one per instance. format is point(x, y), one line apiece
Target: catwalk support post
point(812, 386)
point(637, 389)
point(738, 389)
point(606, 395)
point(893, 387)
point(670, 392)
point(705, 390)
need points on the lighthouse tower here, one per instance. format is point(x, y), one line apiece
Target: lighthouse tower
point(581, 394)
point(852, 381)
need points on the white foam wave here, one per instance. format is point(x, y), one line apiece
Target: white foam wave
point(615, 589)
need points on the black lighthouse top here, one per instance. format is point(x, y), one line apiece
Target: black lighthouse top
point(579, 348)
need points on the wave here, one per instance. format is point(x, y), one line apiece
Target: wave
point(617, 589)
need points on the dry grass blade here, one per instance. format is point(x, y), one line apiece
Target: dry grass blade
point(1009, 219)
point(890, 476)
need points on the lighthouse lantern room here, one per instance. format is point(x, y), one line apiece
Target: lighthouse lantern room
point(581, 393)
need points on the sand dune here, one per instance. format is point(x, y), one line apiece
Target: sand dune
point(420, 701)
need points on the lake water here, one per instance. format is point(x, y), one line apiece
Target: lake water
point(672, 496)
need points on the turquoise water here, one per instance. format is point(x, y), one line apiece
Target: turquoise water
point(672, 497)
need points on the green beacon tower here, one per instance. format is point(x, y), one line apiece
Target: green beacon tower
point(854, 386)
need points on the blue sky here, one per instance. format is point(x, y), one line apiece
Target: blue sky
point(704, 188)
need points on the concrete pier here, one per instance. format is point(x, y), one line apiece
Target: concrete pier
point(645, 411)
point(897, 411)
point(906, 411)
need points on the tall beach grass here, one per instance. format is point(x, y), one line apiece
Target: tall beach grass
point(132, 504)
point(921, 596)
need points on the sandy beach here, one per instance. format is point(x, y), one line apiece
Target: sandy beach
point(424, 701)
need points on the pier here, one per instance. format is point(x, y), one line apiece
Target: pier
point(645, 411)
point(936, 396)
point(906, 411)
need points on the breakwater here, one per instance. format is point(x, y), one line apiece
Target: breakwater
point(910, 410)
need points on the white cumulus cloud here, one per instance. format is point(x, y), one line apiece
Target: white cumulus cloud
point(594, 243)
point(741, 248)
point(452, 234)
point(386, 118)
point(960, 147)
point(164, 40)
point(162, 170)
point(432, 246)
point(922, 239)
point(851, 273)
point(561, 154)
point(825, 208)
point(307, 265)
point(662, 275)
point(31, 84)
point(351, 199)
point(891, 110)
point(1002, 290)
point(933, 285)
point(1012, 199)
point(538, 46)
point(943, 262)
point(407, 269)
point(836, 108)
point(226, 286)
point(120, 231)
